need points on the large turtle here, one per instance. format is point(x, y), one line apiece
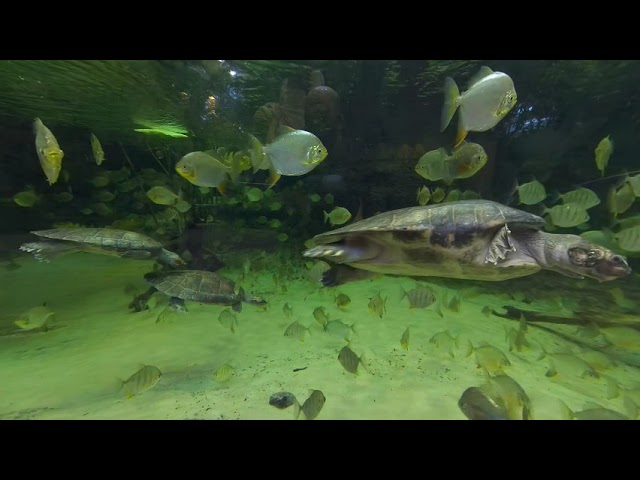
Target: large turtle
point(469, 239)
point(194, 285)
point(104, 241)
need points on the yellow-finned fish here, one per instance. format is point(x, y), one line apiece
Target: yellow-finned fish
point(98, 153)
point(203, 170)
point(294, 153)
point(491, 95)
point(462, 162)
point(49, 151)
point(603, 152)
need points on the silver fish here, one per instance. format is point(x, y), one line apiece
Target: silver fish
point(491, 95)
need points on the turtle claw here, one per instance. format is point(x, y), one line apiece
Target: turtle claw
point(139, 304)
point(500, 246)
point(177, 305)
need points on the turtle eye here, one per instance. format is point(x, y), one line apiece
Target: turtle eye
point(617, 260)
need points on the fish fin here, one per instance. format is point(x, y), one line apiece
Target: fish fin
point(461, 135)
point(359, 215)
point(222, 188)
point(283, 130)
point(118, 383)
point(565, 411)
point(296, 409)
point(483, 72)
point(256, 153)
point(273, 178)
point(451, 95)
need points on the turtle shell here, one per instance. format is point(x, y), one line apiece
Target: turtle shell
point(452, 224)
point(194, 285)
point(102, 237)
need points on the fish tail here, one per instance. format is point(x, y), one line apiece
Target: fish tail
point(451, 95)
point(565, 412)
point(273, 178)
point(462, 133)
point(256, 154)
point(326, 216)
point(296, 409)
point(222, 188)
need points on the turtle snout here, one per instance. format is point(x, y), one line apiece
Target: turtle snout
point(615, 266)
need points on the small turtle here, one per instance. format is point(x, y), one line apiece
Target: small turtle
point(468, 239)
point(103, 241)
point(194, 285)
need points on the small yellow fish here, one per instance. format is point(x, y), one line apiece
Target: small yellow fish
point(532, 193)
point(162, 196)
point(311, 407)
point(203, 170)
point(228, 319)
point(338, 216)
point(349, 360)
point(424, 195)
point(49, 152)
point(28, 198)
point(581, 196)
point(490, 358)
point(491, 95)
point(37, 317)
point(603, 152)
point(342, 300)
point(629, 239)
point(98, 153)
point(404, 340)
point(506, 391)
point(296, 330)
point(462, 162)
point(224, 373)
point(444, 340)
point(377, 305)
point(567, 215)
point(438, 195)
point(183, 206)
point(321, 316)
point(141, 381)
point(620, 200)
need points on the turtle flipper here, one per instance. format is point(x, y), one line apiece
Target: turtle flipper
point(177, 304)
point(341, 253)
point(341, 274)
point(136, 254)
point(139, 303)
point(500, 246)
point(46, 251)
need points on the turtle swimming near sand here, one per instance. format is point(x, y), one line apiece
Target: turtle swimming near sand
point(103, 241)
point(469, 239)
point(194, 285)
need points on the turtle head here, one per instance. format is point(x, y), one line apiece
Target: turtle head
point(576, 257)
point(171, 259)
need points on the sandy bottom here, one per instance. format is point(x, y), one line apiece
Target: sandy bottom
point(72, 372)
